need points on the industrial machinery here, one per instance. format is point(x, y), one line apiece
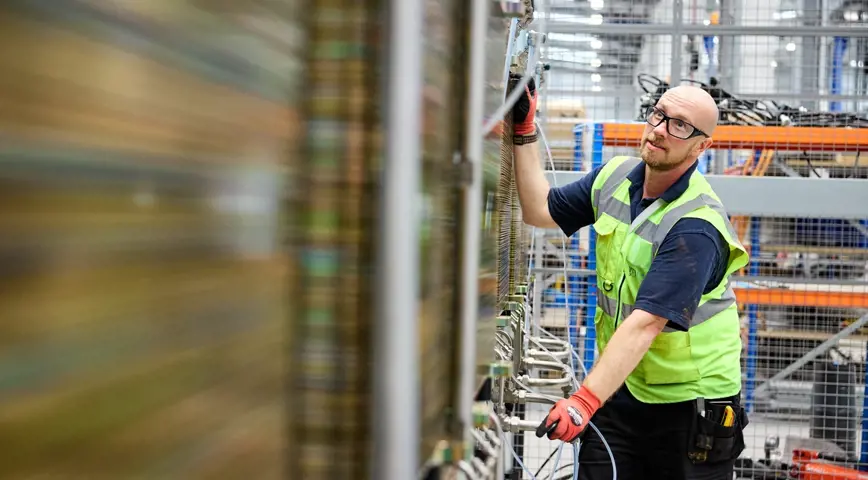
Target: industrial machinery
point(531, 366)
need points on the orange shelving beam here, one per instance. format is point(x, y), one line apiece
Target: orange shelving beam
point(802, 139)
point(800, 298)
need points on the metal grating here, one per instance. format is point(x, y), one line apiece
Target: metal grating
point(791, 82)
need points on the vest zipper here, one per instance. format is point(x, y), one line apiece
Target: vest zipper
point(618, 308)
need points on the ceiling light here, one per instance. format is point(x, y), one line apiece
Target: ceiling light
point(596, 63)
point(596, 44)
point(597, 4)
point(785, 15)
point(791, 47)
point(774, 64)
point(851, 16)
point(596, 77)
point(596, 88)
point(596, 19)
point(853, 63)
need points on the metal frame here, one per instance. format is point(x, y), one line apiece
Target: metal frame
point(779, 196)
point(468, 294)
point(395, 407)
point(710, 30)
point(742, 195)
point(633, 92)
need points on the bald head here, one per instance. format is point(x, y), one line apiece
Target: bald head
point(663, 149)
point(697, 105)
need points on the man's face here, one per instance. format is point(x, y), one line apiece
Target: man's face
point(661, 150)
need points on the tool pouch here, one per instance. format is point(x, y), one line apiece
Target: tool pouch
point(711, 442)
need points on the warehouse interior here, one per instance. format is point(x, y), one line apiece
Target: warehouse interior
point(282, 239)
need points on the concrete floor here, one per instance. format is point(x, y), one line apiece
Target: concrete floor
point(760, 427)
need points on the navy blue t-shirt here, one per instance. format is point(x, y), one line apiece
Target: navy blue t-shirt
point(691, 261)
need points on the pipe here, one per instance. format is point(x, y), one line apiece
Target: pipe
point(677, 46)
point(557, 355)
point(531, 362)
point(547, 382)
point(396, 429)
point(517, 425)
point(472, 199)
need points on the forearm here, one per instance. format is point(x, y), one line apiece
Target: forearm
point(623, 353)
point(532, 185)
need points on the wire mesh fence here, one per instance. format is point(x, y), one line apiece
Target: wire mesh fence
point(792, 103)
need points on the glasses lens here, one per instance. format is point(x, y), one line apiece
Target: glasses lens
point(680, 128)
point(654, 116)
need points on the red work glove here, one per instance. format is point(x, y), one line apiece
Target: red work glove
point(569, 417)
point(524, 110)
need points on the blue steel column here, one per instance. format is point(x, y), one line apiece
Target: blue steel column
point(576, 290)
point(752, 316)
point(839, 48)
point(863, 457)
point(752, 311)
point(591, 298)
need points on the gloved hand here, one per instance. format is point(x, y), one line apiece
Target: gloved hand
point(569, 417)
point(524, 110)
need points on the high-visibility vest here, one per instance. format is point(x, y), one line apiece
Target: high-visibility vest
point(701, 362)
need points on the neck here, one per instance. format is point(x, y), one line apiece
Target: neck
point(658, 181)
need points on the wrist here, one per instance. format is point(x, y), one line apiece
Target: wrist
point(524, 138)
point(524, 128)
point(587, 399)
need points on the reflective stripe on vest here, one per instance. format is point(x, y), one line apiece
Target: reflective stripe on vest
point(655, 234)
point(616, 208)
point(703, 313)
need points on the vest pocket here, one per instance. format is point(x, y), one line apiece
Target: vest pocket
point(608, 250)
point(670, 360)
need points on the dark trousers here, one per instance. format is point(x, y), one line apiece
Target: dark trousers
point(649, 442)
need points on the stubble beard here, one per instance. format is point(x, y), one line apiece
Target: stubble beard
point(658, 160)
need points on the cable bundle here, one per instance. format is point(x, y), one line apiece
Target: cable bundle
point(739, 111)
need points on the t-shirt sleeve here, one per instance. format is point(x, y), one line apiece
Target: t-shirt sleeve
point(570, 205)
point(691, 261)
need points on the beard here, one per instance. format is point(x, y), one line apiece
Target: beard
point(658, 159)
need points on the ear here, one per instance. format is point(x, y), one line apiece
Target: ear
point(703, 146)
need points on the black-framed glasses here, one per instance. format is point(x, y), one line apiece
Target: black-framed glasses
point(676, 127)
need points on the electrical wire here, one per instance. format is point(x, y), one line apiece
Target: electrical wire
point(557, 461)
point(520, 463)
point(576, 461)
point(740, 111)
point(516, 92)
point(574, 355)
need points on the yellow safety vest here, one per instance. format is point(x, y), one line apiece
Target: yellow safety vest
point(701, 362)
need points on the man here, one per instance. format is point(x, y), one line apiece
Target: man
point(665, 389)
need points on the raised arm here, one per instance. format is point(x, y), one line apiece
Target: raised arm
point(568, 207)
point(533, 188)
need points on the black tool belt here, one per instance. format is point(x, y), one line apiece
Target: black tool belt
point(717, 433)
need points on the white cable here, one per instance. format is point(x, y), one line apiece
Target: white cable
point(566, 295)
point(557, 462)
point(576, 460)
point(518, 460)
point(498, 115)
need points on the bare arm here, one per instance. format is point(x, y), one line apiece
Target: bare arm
point(533, 187)
point(623, 353)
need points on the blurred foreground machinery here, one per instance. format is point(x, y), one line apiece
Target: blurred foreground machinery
point(371, 270)
point(142, 308)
